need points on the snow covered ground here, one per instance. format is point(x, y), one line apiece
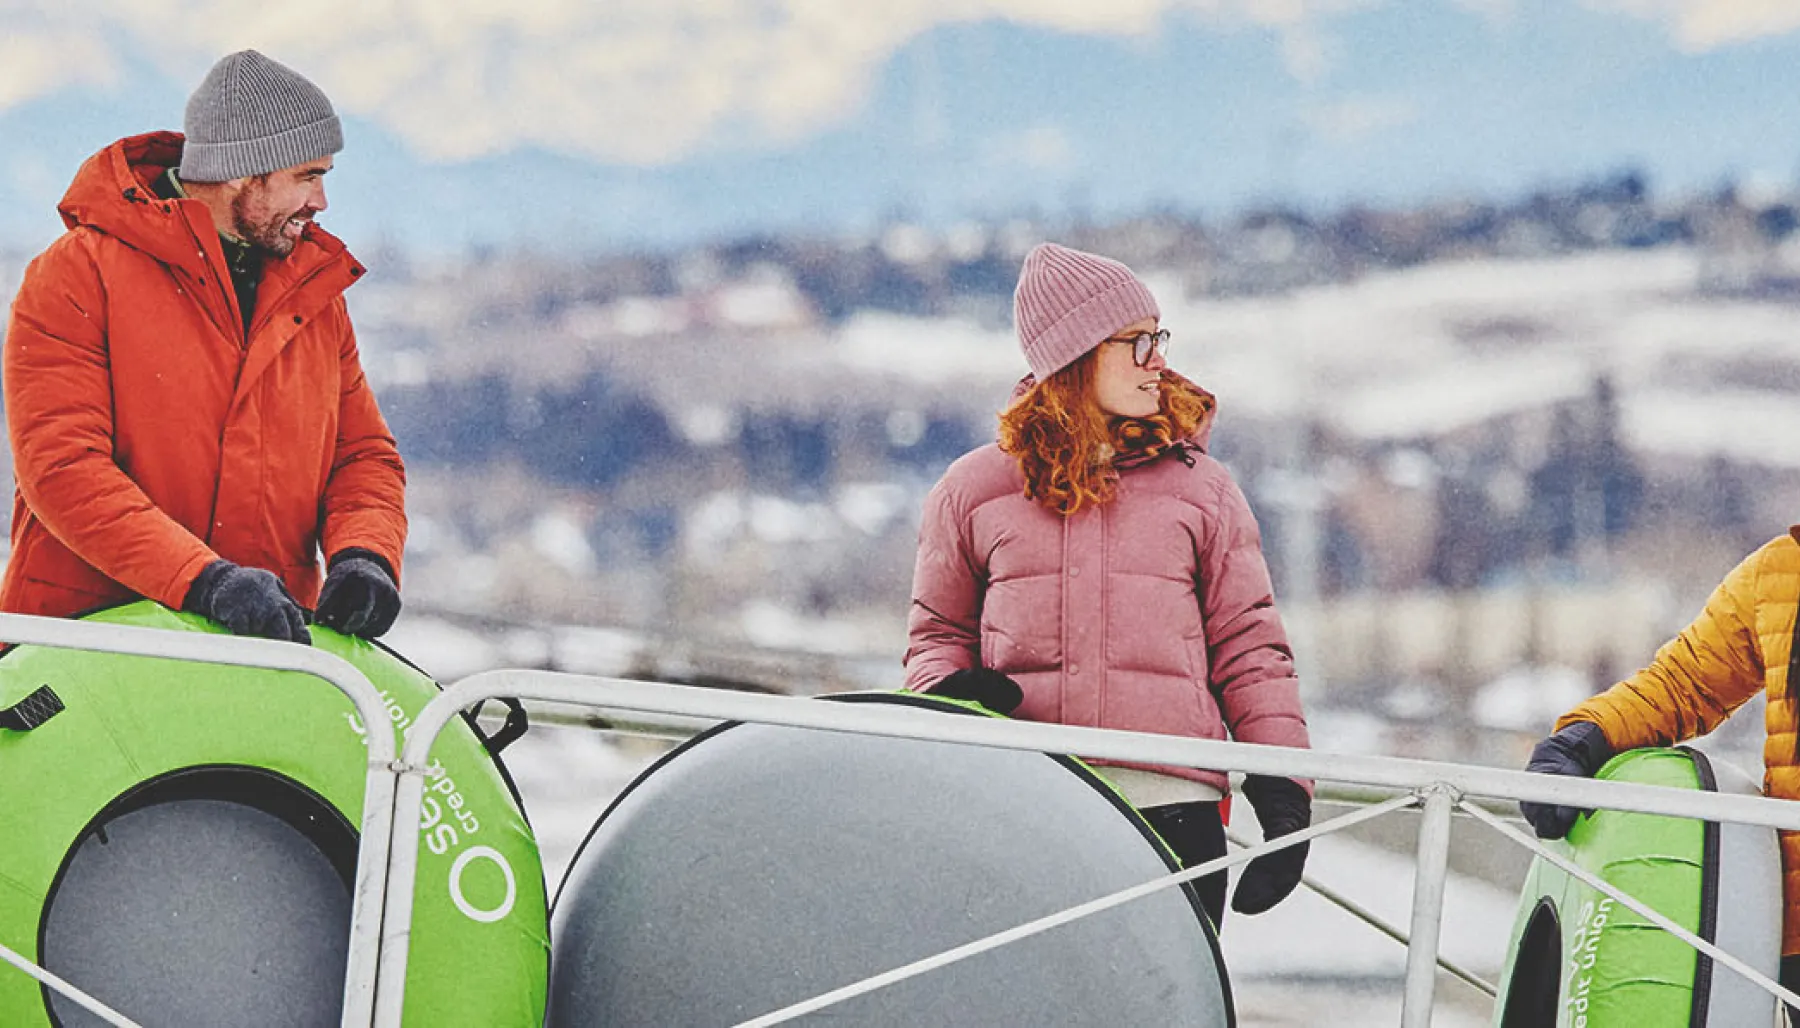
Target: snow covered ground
point(1308, 962)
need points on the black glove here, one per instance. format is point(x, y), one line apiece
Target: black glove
point(249, 601)
point(1284, 808)
point(1579, 750)
point(985, 686)
point(359, 597)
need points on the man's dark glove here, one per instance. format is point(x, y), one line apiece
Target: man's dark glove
point(249, 601)
point(985, 686)
point(1284, 808)
point(1579, 750)
point(359, 597)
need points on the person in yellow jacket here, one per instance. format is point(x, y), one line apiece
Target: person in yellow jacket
point(1742, 642)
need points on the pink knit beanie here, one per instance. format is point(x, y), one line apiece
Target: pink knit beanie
point(1068, 301)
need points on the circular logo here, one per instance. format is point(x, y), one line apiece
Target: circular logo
point(470, 910)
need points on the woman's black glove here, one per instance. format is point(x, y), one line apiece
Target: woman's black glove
point(359, 596)
point(1578, 750)
point(1284, 808)
point(985, 686)
point(249, 601)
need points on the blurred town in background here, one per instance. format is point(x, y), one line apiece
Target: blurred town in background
point(1499, 450)
point(678, 310)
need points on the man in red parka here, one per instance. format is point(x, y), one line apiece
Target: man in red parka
point(187, 411)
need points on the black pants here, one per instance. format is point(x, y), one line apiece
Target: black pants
point(1197, 835)
point(1790, 980)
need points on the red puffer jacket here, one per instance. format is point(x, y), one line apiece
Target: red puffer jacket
point(150, 437)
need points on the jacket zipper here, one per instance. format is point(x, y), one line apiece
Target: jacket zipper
point(1793, 675)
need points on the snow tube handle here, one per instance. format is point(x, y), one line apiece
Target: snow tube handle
point(33, 710)
point(515, 725)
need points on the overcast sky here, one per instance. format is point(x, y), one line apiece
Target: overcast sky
point(648, 120)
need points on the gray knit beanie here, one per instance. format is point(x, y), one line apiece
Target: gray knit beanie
point(251, 116)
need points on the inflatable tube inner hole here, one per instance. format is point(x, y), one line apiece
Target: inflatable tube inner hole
point(1536, 980)
point(210, 896)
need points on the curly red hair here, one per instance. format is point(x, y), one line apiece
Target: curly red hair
point(1067, 446)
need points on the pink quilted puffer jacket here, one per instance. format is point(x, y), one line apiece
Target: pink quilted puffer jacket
point(1152, 612)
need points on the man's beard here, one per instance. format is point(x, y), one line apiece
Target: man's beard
point(265, 234)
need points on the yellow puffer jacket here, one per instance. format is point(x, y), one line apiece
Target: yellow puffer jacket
point(1740, 643)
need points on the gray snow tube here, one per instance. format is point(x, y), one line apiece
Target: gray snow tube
point(758, 866)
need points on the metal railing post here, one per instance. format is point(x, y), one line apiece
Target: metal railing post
point(402, 877)
point(1428, 906)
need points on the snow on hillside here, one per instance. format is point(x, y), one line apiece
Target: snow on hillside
point(1419, 352)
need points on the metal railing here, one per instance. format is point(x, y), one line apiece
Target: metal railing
point(387, 864)
point(1438, 788)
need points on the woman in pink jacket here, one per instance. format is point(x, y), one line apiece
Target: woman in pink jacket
point(1096, 567)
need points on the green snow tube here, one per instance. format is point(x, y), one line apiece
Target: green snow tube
point(1580, 959)
point(180, 843)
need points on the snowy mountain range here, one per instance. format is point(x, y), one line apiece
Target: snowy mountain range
point(578, 127)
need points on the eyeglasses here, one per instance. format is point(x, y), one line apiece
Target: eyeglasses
point(1145, 345)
